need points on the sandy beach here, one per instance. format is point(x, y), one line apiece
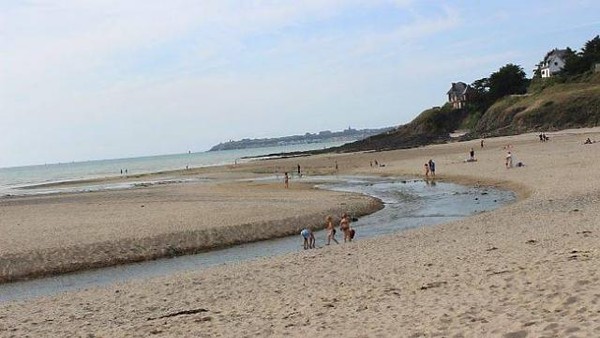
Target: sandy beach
point(529, 269)
point(44, 235)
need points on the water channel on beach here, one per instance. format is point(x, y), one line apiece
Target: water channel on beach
point(408, 204)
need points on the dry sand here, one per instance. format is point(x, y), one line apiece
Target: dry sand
point(526, 270)
point(44, 235)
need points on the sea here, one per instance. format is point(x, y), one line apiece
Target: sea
point(15, 181)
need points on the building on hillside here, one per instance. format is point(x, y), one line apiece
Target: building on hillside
point(459, 94)
point(553, 62)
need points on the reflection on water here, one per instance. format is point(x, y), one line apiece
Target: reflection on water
point(408, 204)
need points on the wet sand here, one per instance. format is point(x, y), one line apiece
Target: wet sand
point(526, 270)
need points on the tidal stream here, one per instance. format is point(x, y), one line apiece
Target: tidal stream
point(408, 204)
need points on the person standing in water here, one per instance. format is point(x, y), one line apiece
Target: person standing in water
point(286, 180)
point(431, 167)
point(299, 173)
point(330, 230)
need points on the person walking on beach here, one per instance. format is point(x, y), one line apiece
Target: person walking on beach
point(431, 167)
point(481, 143)
point(509, 160)
point(286, 180)
point(472, 154)
point(345, 227)
point(309, 238)
point(330, 230)
point(426, 169)
point(299, 173)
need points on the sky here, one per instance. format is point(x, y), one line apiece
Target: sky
point(99, 79)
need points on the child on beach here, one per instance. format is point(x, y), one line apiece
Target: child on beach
point(345, 227)
point(471, 157)
point(309, 238)
point(509, 160)
point(330, 230)
point(426, 169)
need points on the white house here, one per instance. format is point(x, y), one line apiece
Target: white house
point(553, 62)
point(459, 94)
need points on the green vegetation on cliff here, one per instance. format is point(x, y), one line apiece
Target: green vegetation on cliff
point(558, 106)
point(506, 103)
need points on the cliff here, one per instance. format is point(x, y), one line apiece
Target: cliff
point(554, 107)
point(549, 105)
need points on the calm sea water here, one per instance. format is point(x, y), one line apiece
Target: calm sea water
point(12, 180)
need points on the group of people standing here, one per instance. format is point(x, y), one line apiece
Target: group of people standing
point(309, 237)
point(430, 168)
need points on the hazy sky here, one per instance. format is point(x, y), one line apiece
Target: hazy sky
point(104, 79)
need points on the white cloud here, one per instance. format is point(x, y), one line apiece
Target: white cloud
point(51, 48)
point(73, 73)
point(124, 77)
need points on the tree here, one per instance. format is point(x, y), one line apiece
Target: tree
point(481, 86)
point(510, 79)
point(591, 52)
point(579, 63)
point(481, 100)
point(573, 63)
point(537, 72)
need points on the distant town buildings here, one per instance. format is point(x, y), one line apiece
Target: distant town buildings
point(459, 94)
point(325, 136)
point(553, 62)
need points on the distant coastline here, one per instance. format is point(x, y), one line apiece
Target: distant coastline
point(348, 135)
